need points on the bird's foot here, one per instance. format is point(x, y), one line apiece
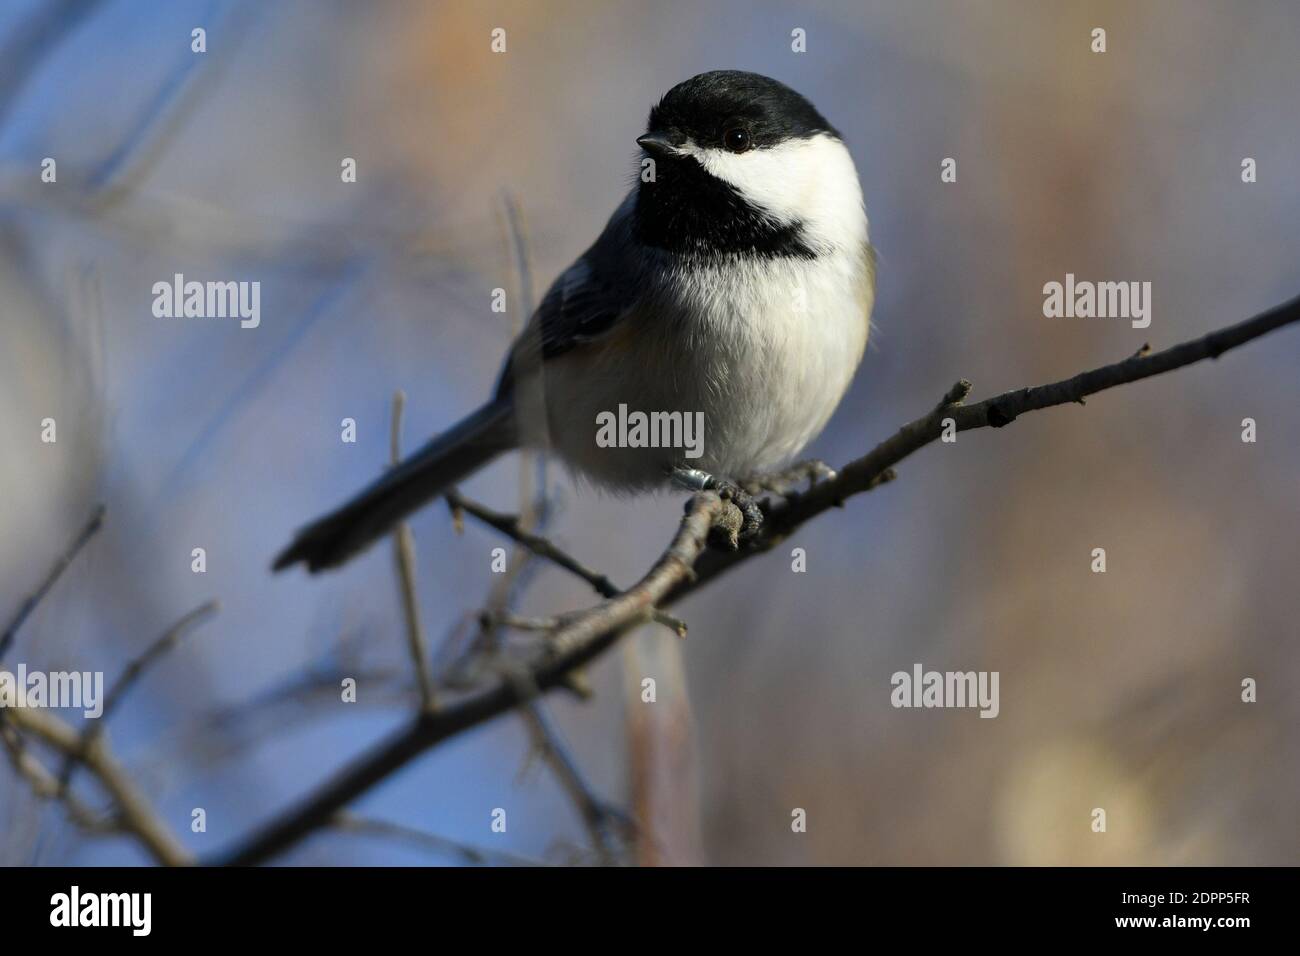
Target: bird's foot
point(725, 534)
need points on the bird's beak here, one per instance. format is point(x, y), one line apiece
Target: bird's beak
point(657, 144)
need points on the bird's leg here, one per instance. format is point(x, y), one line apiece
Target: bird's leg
point(787, 480)
point(692, 479)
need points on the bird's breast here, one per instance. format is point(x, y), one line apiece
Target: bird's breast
point(759, 353)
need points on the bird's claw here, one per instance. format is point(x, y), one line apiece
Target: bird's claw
point(751, 514)
point(727, 534)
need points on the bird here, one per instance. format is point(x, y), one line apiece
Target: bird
point(733, 283)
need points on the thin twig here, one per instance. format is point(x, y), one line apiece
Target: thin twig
point(134, 812)
point(581, 638)
point(506, 619)
point(508, 587)
point(596, 816)
point(404, 555)
point(366, 826)
point(35, 38)
point(531, 466)
point(119, 173)
point(872, 469)
point(585, 635)
point(135, 669)
point(60, 565)
point(600, 819)
point(545, 549)
point(47, 787)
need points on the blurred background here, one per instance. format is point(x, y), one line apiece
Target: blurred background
point(1119, 690)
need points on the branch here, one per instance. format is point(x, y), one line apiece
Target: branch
point(60, 565)
point(404, 555)
point(36, 38)
point(47, 787)
point(119, 174)
point(135, 815)
point(132, 812)
point(510, 526)
point(534, 514)
point(364, 826)
point(604, 824)
point(134, 670)
point(876, 466)
point(584, 635)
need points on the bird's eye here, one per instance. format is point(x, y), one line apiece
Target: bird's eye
point(736, 139)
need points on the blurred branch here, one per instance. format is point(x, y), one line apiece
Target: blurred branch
point(154, 652)
point(47, 787)
point(404, 555)
point(35, 38)
point(601, 820)
point(545, 737)
point(87, 532)
point(222, 734)
point(510, 526)
point(582, 636)
point(661, 767)
point(134, 814)
point(532, 467)
point(350, 823)
point(135, 669)
point(174, 103)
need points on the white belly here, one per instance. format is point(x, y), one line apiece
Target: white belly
point(766, 356)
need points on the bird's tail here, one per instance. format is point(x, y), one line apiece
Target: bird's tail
point(333, 539)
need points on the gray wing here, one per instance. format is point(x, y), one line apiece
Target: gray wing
point(584, 303)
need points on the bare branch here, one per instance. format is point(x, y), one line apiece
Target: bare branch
point(34, 39)
point(404, 555)
point(510, 526)
point(585, 635)
point(135, 814)
point(173, 104)
point(506, 619)
point(350, 823)
point(47, 787)
point(534, 512)
point(60, 565)
point(876, 466)
point(582, 637)
point(135, 669)
point(601, 820)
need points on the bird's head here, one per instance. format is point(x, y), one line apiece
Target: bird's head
point(740, 162)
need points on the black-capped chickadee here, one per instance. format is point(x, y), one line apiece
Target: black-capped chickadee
point(735, 280)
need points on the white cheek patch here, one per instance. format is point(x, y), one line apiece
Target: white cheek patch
point(812, 181)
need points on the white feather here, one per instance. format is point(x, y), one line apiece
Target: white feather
point(730, 340)
point(809, 180)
